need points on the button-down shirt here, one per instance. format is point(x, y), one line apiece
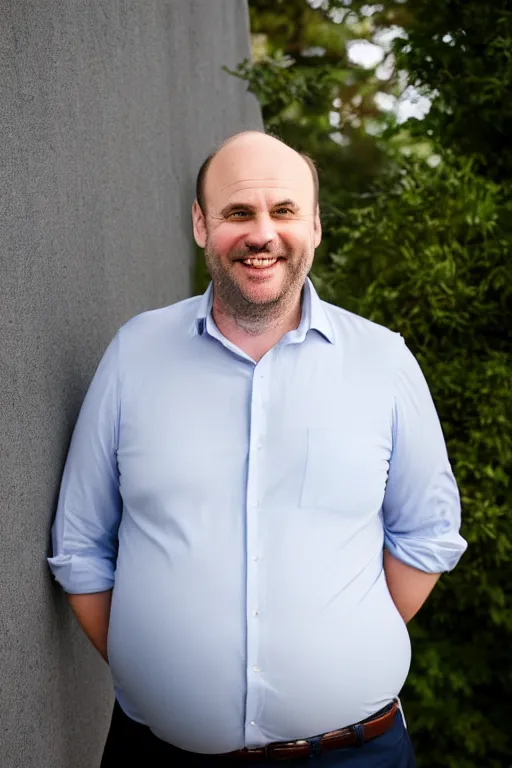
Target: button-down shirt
point(240, 510)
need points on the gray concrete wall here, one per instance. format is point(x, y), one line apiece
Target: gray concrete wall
point(107, 109)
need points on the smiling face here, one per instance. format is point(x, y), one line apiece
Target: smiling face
point(260, 227)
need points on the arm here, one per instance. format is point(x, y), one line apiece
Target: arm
point(84, 534)
point(92, 613)
point(421, 509)
point(408, 586)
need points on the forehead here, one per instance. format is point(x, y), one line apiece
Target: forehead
point(254, 169)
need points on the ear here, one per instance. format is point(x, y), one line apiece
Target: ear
point(199, 224)
point(317, 228)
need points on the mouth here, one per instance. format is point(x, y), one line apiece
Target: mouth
point(259, 262)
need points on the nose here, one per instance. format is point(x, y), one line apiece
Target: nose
point(261, 232)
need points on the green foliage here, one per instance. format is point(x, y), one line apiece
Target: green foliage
point(424, 250)
point(283, 90)
point(462, 50)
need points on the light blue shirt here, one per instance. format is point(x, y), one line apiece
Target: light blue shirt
point(240, 511)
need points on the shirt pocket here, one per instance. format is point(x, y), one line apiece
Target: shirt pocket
point(346, 474)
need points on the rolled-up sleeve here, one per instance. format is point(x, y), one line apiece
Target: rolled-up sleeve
point(84, 534)
point(421, 509)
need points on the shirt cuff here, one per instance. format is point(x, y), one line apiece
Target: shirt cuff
point(81, 575)
point(430, 555)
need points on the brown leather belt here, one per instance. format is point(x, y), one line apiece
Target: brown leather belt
point(351, 736)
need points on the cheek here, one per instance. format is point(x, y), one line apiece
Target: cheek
point(225, 238)
point(296, 238)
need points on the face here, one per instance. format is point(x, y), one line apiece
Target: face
point(261, 225)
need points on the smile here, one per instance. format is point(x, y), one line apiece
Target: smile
point(259, 263)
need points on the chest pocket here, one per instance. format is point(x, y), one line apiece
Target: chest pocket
point(345, 473)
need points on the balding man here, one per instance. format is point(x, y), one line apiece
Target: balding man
point(256, 500)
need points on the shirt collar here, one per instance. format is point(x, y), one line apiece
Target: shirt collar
point(313, 317)
point(203, 310)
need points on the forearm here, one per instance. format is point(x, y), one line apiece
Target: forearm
point(93, 613)
point(409, 587)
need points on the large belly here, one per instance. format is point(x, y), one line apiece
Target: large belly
point(178, 644)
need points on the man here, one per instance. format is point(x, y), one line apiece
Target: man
point(257, 498)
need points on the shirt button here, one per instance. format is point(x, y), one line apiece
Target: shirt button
point(256, 669)
point(255, 558)
point(252, 722)
point(255, 613)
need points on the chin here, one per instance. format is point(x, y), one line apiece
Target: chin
point(262, 295)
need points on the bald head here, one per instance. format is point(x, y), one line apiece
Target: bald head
point(256, 216)
point(252, 152)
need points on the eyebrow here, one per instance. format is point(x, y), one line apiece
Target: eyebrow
point(247, 207)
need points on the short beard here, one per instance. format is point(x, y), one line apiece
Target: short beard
point(252, 317)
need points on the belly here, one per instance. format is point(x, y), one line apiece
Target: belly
point(180, 650)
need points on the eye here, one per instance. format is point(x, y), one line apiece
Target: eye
point(283, 211)
point(238, 214)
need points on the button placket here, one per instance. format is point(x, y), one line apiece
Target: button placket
point(254, 666)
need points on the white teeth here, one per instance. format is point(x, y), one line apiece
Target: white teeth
point(259, 262)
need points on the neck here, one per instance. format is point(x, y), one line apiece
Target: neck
point(256, 335)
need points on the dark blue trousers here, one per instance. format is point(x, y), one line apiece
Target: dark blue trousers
point(132, 744)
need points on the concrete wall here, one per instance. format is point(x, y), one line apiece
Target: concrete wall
point(107, 109)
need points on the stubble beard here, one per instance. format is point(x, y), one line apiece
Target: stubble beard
point(256, 317)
